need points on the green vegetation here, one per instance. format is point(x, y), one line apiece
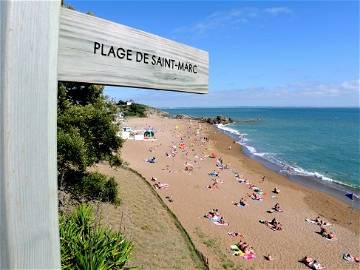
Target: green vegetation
point(87, 134)
point(96, 186)
point(135, 109)
point(87, 245)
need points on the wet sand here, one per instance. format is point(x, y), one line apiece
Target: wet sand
point(192, 199)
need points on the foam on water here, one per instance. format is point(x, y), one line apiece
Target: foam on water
point(318, 147)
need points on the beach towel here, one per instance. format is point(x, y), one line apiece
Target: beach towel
point(249, 256)
point(310, 221)
point(314, 222)
point(215, 218)
point(221, 224)
point(236, 251)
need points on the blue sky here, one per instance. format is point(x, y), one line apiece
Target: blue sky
point(269, 53)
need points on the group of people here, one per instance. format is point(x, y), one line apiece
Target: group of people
point(256, 194)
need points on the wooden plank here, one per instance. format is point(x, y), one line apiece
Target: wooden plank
point(98, 51)
point(29, 232)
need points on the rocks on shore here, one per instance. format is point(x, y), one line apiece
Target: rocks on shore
point(211, 120)
point(218, 120)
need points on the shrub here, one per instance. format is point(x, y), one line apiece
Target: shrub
point(135, 109)
point(85, 245)
point(94, 185)
point(111, 191)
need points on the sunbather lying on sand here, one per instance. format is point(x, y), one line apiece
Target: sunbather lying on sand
point(273, 224)
point(350, 258)
point(213, 185)
point(255, 196)
point(151, 160)
point(245, 247)
point(214, 173)
point(318, 221)
point(327, 234)
point(311, 263)
point(241, 180)
point(242, 203)
point(154, 179)
point(159, 185)
point(257, 189)
point(276, 190)
point(215, 217)
point(276, 208)
point(235, 234)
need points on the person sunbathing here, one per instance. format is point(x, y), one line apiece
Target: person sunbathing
point(242, 180)
point(278, 227)
point(255, 196)
point(324, 223)
point(248, 250)
point(221, 220)
point(276, 208)
point(327, 234)
point(350, 258)
point(242, 245)
point(160, 185)
point(269, 257)
point(306, 260)
point(213, 185)
point(214, 173)
point(276, 190)
point(235, 234)
point(152, 160)
point(154, 179)
point(316, 265)
point(274, 222)
point(242, 202)
point(311, 263)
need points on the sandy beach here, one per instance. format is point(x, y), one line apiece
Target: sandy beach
point(189, 197)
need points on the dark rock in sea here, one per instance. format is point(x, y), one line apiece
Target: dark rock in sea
point(218, 120)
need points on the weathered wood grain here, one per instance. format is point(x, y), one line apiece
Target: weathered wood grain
point(29, 232)
point(77, 61)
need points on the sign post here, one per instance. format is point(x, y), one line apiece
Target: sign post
point(41, 43)
point(29, 232)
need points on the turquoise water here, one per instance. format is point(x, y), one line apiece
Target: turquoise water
point(317, 142)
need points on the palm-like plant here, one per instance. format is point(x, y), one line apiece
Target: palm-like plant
point(87, 246)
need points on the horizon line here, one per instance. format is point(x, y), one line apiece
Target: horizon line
point(289, 107)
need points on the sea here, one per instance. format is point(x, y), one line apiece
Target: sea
point(319, 147)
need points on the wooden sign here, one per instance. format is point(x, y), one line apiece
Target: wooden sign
point(98, 51)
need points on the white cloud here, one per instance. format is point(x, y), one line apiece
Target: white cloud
point(277, 10)
point(233, 17)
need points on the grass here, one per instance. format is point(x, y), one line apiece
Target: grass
point(213, 244)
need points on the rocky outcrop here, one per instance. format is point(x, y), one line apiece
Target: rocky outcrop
point(218, 120)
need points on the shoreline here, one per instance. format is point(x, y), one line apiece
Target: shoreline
point(333, 188)
point(191, 199)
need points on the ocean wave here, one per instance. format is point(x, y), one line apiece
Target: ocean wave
point(277, 164)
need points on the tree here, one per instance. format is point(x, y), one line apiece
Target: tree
point(87, 132)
